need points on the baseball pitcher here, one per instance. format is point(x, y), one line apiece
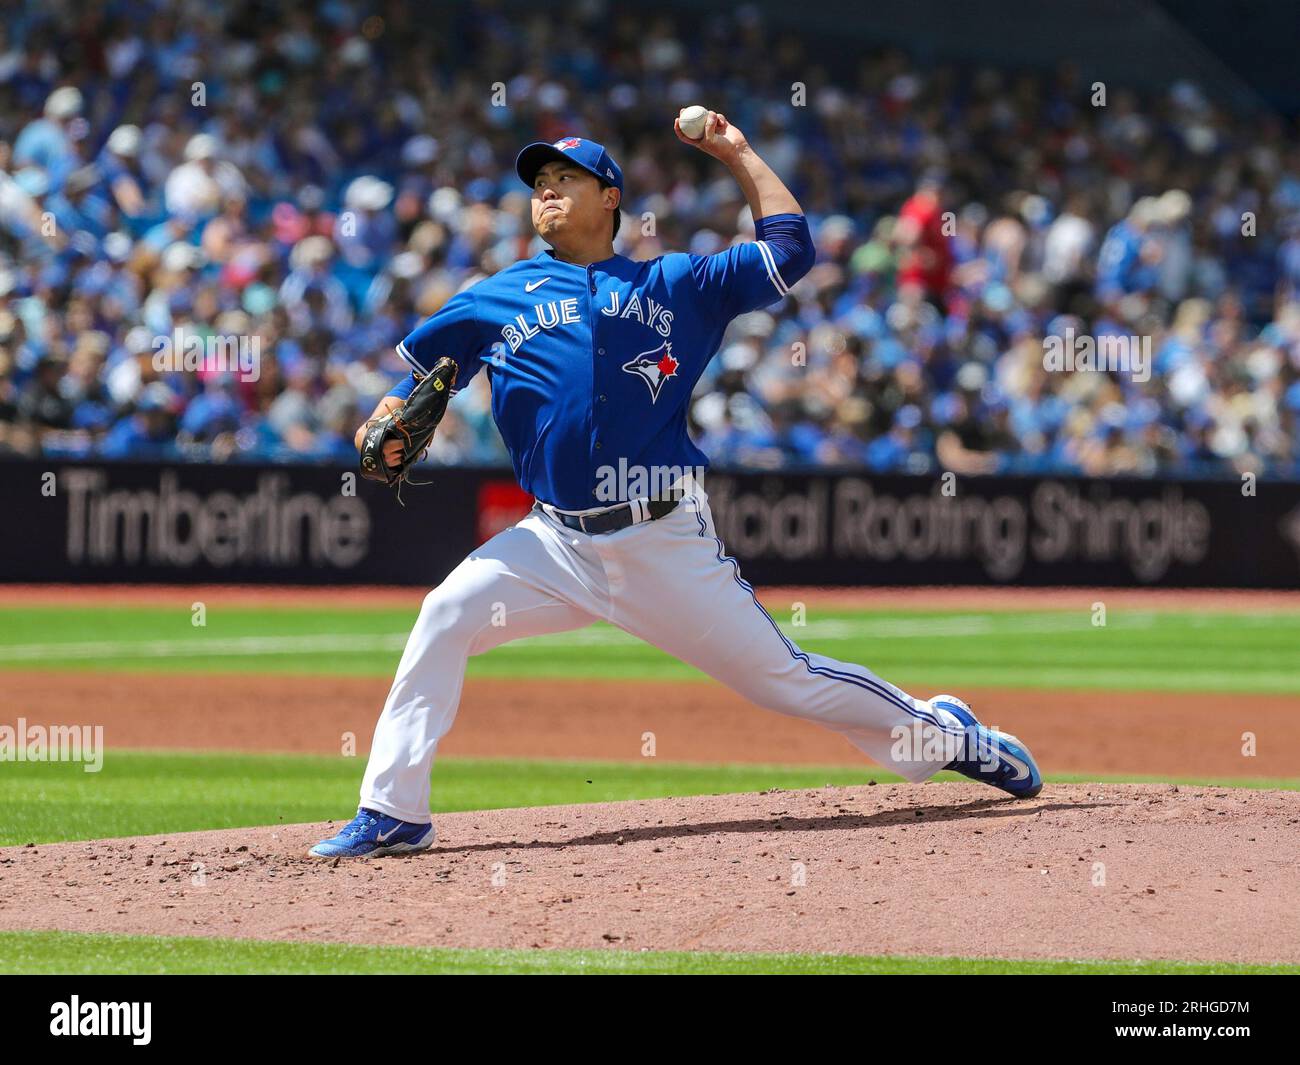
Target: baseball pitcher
point(592, 358)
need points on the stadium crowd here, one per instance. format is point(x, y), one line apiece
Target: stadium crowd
point(308, 181)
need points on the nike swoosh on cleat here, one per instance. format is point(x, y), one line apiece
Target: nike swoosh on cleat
point(1022, 770)
point(529, 286)
point(380, 837)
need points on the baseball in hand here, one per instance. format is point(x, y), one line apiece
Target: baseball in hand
point(691, 120)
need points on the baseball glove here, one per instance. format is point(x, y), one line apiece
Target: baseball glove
point(413, 424)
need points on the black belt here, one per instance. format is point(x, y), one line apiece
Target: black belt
point(607, 521)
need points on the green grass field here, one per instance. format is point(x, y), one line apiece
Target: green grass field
point(1148, 650)
point(141, 792)
point(71, 952)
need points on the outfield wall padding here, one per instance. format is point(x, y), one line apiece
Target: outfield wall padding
point(97, 522)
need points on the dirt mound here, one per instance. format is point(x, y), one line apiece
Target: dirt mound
point(1082, 871)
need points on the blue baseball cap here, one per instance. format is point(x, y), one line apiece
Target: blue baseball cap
point(589, 155)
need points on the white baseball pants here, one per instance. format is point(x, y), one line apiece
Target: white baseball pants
point(667, 582)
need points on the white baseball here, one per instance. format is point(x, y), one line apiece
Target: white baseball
point(691, 120)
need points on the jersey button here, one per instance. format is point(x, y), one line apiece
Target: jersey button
point(600, 351)
point(599, 445)
point(604, 399)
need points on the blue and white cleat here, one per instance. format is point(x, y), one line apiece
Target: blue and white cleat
point(990, 756)
point(371, 834)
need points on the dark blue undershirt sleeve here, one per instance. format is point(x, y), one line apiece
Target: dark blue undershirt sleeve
point(403, 387)
point(791, 242)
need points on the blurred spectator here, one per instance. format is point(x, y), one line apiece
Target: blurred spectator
point(42, 402)
point(148, 432)
point(47, 143)
point(923, 237)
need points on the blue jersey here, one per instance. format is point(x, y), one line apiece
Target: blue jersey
point(592, 367)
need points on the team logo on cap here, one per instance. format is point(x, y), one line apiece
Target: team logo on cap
point(568, 143)
point(654, 367)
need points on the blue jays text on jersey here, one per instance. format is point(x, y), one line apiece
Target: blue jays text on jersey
point(593, 366)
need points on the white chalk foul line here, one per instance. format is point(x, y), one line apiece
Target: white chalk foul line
point(597, 636)
point(202, 648)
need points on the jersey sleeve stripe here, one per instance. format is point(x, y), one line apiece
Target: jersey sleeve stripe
point(401, 350)
point(774, 275)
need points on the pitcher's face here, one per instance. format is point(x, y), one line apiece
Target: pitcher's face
point(568, 203)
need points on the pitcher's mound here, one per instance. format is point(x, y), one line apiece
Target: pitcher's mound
point(1082, 871)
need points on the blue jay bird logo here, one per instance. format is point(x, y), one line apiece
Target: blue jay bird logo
point(654, 367)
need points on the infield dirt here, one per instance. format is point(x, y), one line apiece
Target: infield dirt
point(1082, 871)
point(1144, 733)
